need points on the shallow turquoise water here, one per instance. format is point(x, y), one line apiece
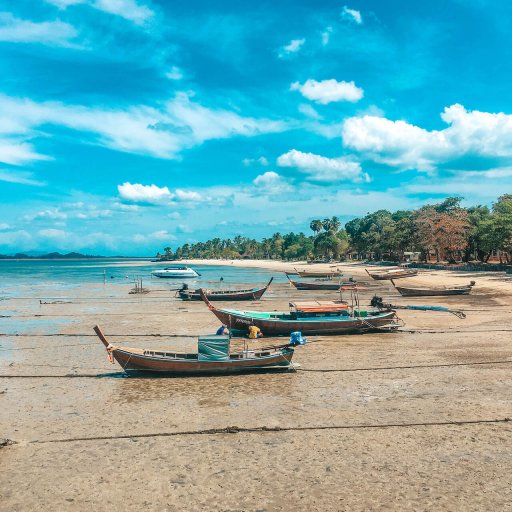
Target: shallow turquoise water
point(38, 278)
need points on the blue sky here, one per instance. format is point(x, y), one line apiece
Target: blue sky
point(129, 125)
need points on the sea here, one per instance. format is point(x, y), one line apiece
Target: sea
point(46, 278)
point(36, 282)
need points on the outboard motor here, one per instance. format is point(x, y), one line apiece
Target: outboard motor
point(296, 338)
point(376, 302)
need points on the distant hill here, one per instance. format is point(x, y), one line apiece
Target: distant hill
point(53, 256)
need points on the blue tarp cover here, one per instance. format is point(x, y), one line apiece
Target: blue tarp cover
point(213, 348)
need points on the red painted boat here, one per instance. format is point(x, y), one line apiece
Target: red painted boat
point(323, 320)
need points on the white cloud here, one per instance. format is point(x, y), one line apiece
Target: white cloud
point(309, 111)
point(292, 47)
point(50, 214)
point(4, 226)
point(52, 33)
point(126, 207)
point(327, 91)
point(326, 36)
point(403, 145)
point(162, 133)
point(175, 73)
point(161, 235)
point(18, 240)
point(260, 160)
point(52, 233)
point(352, 15)
point(188, 195)
point(21, 177)
point(174, 215)
point(150, 194)
point(270, 183)
point(128, 9)
point(321, 168)
point(62, 4)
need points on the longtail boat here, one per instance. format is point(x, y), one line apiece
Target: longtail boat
point(316, 318)
point(398, 273)
point(319, 273)
point(247, 294)
point(213, 357)
point(434, 291)
point(326, 285)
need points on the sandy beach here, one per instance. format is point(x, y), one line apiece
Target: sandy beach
point(419, 419)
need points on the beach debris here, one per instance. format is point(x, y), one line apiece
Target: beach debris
point(138, 288)
point(55, 302)
point(6, 442)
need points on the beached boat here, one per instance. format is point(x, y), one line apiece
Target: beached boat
point(434, 291)
point(247, 294)
point(318, 273)
point(308, 318)
point(175, 272)
point(319, 285)
point(396, 273)
point(213, 357)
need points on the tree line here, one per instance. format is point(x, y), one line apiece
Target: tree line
point(444, 231)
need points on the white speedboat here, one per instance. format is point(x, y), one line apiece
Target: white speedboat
point(175, 271)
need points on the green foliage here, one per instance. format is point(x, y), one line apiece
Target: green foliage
point(446, 229)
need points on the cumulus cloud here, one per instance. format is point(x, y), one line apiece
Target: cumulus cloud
point(328, 91)
point(352, 15)
point(404, 145)
point(291, 48)
point(271, 183)
point(174, 74)
point(321, 168)
point(130, 10)
point(52, 33)
point(151, 194)
point(251, 161)
point(163, 133)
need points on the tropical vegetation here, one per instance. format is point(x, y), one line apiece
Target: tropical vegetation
point(444, 231)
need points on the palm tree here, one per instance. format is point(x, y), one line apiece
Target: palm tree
point(316, 226)
point(335, 224)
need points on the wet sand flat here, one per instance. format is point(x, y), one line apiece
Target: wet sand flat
point(411, 420)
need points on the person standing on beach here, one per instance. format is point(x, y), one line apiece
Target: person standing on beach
point(255, 332)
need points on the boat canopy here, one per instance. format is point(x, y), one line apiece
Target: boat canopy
point(213, 348)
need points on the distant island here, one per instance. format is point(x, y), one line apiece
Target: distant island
point(54, 256)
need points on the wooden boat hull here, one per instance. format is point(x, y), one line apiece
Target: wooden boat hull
point(421, 292)
point(213, 359)
point(392, 275)
point(319, 286)
point(237, 321)
point(305, 273)
point(133, 363)
point(253, 294)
